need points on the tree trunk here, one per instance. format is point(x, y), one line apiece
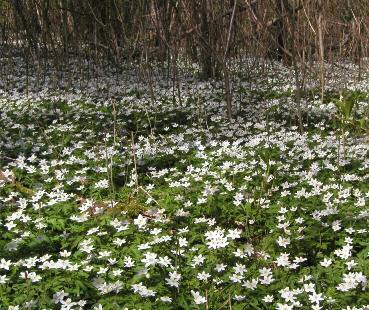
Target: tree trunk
point(321, 49)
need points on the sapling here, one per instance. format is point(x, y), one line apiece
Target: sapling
point(345, 107)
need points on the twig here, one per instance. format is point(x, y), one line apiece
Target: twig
point(207, 301)
point(148, 194)
point(114, 141)
point(134, 159)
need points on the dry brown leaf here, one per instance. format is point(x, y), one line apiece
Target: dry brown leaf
point(4, 176)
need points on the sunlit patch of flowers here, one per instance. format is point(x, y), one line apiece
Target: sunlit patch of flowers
point(175, 207)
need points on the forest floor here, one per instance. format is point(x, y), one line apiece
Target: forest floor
point(119, 193)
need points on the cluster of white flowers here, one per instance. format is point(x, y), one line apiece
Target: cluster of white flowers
point(67, 303)
point(240, 197)
point(142, 290)
point(351, 281)
point(216, 239)
point(106, 288)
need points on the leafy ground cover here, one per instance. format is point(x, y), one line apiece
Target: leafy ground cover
point(114, 199)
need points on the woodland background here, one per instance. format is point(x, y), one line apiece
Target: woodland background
point(214, 34)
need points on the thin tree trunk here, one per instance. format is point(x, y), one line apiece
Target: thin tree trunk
point(292, 19)
point(225, 65)
point(321, 49)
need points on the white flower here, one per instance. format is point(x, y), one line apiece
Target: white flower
point(283, 242)
point(239, 269)
point(81, 303)
point(345, 252)
point(351, 281)
point(216, 239)
point(103, 254)
point(117, 272)
point(142, 290)
point(283, 260)
point(203, 276)
point(119, 241)
point(234, 234)
point(268, 299)
point(65, 253)
point(102, 270)
point(10, 225)
point(351, 264)
point(198, 299)
point(265, 272)
point(182, 242)
point(284, 307)
point(316, 298)
point(86, 245)
point(251, 284)
point(165, 299)
point(140, 222)
point(220, 267)
point(266, 276)
point(128, 262)
point(309, 287)
point(174, 278)
point(165, 261)
point(288, 295)
point(3, 279)
point(5, 264)
point(336, 225)
point(102, 184)
point(150, 259)
point(299, 259)
point(197, 260)
point(30, 275)
point(326, 262)
point(59, 296)
point(236, 278)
